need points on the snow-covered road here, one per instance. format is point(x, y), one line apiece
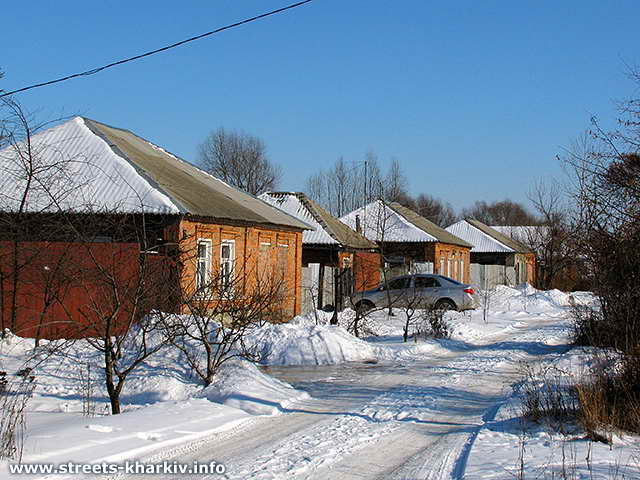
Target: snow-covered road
point(414, 419)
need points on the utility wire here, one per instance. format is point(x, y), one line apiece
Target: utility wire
point(152, 52)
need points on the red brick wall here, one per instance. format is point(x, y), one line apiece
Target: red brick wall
point(63, 290)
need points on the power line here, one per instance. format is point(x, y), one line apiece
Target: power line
point(152, 52)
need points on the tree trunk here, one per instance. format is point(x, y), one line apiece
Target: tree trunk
point(112, 390)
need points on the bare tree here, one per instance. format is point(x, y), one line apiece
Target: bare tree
point(605, 179)
point(505, 212)
point(239, 159)
point(347, 186)
point(395, 183)
point(554, 240)
point(30, 188)
point(220, 315)
point(123, 282)
point(439, 212)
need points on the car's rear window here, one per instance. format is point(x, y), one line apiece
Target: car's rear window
point(426, 282)
point(399, 283)
point(450, 280)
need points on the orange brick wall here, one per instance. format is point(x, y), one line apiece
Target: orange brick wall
point(247, 254)
point(441, 253)
point(366, 270)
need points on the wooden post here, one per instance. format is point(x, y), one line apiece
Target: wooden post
point(336, 295)
point(321, 286)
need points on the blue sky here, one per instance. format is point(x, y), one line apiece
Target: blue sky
point(475, 98)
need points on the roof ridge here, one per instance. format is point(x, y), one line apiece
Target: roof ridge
point(90, 124)
point(486, 233)
point(509, 242)
point(440, 234)
point(310, 206)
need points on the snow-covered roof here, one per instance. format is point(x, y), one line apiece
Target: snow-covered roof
point(380, 221)
point(530, 235)
point(485, 239)
point(328, 230)
point(76, 170)
point(86, 166)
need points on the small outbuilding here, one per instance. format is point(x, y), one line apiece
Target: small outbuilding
point(336, 260)
point(409, 242)
point(496, 258)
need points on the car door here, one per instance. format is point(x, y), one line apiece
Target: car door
point(398, 292)
point(429, 289)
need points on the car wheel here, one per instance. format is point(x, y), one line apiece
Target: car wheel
point(445, 305)
point(364, 306)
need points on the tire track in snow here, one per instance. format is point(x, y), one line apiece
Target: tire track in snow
point(436, 405)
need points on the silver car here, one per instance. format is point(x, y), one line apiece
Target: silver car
point(419, 291)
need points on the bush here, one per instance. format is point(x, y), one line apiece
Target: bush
point(13, 403)
point(611, 399)
point(548, 397)
point(432, 323)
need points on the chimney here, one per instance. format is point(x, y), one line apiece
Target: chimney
point(358, 226)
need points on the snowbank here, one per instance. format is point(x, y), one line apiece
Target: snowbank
point(165, 404)
point(243, 386)
point(509, 446)
point(296, 344)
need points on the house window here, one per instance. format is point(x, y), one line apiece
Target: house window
point(203, 266)
point(227, 261)
point(461, 272)
point(441, 272)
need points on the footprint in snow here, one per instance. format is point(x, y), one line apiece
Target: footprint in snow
point(100, 428)
point(149, 436)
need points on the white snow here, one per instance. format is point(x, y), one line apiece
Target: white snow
point(81, 172)
point(291, 204)
point(438, 408)
point(380, 222)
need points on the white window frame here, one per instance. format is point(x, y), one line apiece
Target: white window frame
point(206, 261)
point(231, 260)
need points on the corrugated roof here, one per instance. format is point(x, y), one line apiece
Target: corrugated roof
point(395, 223)
point(77, 171)
point(500, 237)
point(428, 226)
point(484, 238)
point(381, 223)
point(107, 168)
point(328, 229)
point(528, 235)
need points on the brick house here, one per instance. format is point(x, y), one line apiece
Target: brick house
point(409, 242)
point(496, 258)
point(336, 260)
point(179, 215)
